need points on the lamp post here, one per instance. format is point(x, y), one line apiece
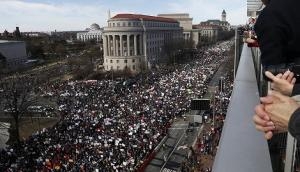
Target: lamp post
point(212, 91)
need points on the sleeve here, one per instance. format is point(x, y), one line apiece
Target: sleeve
point(272, 36)
point(296, 89)
point(294, 124)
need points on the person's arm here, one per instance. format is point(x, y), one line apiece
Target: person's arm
point(294, 124)
point(272, 36)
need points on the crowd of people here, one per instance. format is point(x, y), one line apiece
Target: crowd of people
point(112, 125)
point(207, 143)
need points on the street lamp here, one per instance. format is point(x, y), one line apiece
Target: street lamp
point(212, 91)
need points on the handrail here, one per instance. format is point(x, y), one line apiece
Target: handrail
point(241, 147)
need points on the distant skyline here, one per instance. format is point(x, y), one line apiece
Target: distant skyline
point(67, 15)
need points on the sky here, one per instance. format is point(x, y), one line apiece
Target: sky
point(67, 15)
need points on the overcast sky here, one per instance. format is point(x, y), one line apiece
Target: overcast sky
point(49, 15)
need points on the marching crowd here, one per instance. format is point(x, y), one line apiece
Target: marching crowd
point(208, 141)
point(113, 125)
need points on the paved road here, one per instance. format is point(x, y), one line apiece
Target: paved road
point(170, 158)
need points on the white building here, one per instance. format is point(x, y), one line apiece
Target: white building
point(135, 41)
point(93, 33)
point(12, 53)
point(222, 23)
point(187, 24)
point(208, 33)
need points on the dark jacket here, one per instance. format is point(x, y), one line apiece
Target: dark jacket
point(294, 124)
point(278, 32)
point(296, 90)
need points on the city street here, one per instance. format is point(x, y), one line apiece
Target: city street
point(170, 157)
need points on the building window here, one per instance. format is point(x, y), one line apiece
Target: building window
point(129, 23)
point(118, 67)
point(117, 61)
point(133, 67)
point(133, 60)
point(118, 24)
point(124, 24)
point(111, 67)
point(113, 24)
point(125, 61)
point(111, 61)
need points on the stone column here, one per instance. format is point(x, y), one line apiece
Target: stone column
point(117, 45)
point(108, 45)
point(114, 44)
point(105, 45)
point(128, 45)
point(135, 44)
point(141, 44)
point(121, 45)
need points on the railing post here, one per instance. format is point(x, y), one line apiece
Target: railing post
point(291, 148)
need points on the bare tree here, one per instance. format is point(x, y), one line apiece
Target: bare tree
point(17, 93)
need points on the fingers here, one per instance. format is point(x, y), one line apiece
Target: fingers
point(290, 77)
point(268, 135)
point(271, 76)
point(264, 129)
point(268, 125)
point(266, 100)
point(293, 81)
point(278, 95)
point(286, 75)
point(260, 112)
point(279, 75)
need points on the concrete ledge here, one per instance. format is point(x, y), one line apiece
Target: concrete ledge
point(241, 147)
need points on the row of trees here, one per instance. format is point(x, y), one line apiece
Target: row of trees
point(172, 50)
point(83, 64)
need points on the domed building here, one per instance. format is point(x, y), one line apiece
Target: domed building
point(95, 26)
point(94, 32)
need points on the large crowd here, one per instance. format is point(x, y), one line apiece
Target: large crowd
point(207, 142)
point(112, 125)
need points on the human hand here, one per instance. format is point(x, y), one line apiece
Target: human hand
point(283, 83)
point(250, 41)
point(280, 109)
point(262, 120)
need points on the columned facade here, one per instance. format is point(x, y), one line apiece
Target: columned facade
point(132, 42)
point(94, 33)
point(123, 45)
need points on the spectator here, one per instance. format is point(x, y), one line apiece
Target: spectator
point(283, 83)
point(278, 33)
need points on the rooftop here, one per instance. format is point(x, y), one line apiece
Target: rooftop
point(144, 17)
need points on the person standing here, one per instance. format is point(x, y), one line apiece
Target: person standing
point(278, 33)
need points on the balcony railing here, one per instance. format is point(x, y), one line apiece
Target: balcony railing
point(241, 147)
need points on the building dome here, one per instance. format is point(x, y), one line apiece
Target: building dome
point(95, 26)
